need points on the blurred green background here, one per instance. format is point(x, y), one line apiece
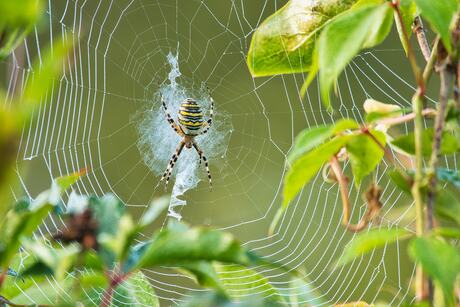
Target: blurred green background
point(90, 120)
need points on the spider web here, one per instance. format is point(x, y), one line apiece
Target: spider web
point(106, 107)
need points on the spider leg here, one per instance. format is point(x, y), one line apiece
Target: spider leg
point(172, 162)
point(205, 160)
point(208, 123)
point(170, 119)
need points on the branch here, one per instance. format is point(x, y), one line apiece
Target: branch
point(444, 94)
point(417, 28)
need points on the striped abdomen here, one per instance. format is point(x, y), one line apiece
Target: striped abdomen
point(190, 117)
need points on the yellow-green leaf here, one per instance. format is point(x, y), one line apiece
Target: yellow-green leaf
point(284, 42)
point(365, 153)
point(367, 241)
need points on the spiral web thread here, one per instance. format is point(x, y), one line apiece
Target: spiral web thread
point(92, 119)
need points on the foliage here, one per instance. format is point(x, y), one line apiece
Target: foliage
point(324, 47)
point(98, 248)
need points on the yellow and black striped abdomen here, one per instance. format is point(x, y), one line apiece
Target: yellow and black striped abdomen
point(190, 117)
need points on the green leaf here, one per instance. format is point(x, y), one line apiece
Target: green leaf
point(402, 180)
point(303, 170)
point(284, 42)
point(155, 209)
point(305, 167)
point(408, 11)
point(448, 232)
point(448, 206)
point(180, 243)
point(345, 36)
point(406, 143)
point(239, 281)
point(308, 139)
point(367, 241)
point(365, 154)
point(439, 14)
point(440, 260)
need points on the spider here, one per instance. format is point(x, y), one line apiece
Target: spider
point(191, 124)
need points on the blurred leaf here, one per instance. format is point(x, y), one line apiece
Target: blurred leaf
point(65, 182)
point(76, 204)
point(179, 243)
point(120, 242)
point(354, 304)
point(23, 222)
point(448, 232)
point(402, 180)
point(136, 291)
point(302, 292)
point(59, 260)
point(440, 260)
point(345, 36)
point(219, 300)
point(108, 211)
point(203, 272)
point(365, 154)
point(89, 279)
point(367, 241)
point(18, 18)
point(308, 139)
point(408, 11)
point(406, 143)
point(45, 293)
point(239, 282)
point(134, 255)
point(439, 14)
point(449, 175)
point(284, 42)
point(448, 206)
point(155, 209)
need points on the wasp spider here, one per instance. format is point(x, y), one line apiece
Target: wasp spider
point(191, 124)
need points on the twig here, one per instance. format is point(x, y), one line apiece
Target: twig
point(417, 28)
point(391, 121)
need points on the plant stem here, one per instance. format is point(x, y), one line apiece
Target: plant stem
point(417, 102)
point(419, 31)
